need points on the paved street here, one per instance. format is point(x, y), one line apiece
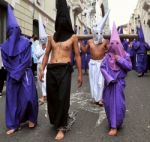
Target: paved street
point(91, 123)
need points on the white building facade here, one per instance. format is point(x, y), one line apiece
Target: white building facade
point(142, 14)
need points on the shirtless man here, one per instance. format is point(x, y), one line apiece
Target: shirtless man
point(97, 52)
point(59, 69)
point(58, 79)
point(98, 47)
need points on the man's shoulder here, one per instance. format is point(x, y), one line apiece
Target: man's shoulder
point(50, 37)
point(74, 37)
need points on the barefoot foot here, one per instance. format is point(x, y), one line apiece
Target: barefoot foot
point(112, 132)
point(60, 135)
point(31, 124)
point(11, 131)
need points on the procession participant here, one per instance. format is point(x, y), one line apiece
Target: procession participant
point(114, 68)
point(85, 56)
point(21, 97)
point(98, 47)
point(59, 69)
point(141, 48)
point(39, 53)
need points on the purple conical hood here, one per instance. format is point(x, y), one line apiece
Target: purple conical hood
point(115, 48)
point(11, 19)
point(140, 33)
point(15, 43)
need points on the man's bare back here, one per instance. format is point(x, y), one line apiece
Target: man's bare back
point(61, 51)
point(97, 51)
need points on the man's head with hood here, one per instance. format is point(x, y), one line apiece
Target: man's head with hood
point(12, 45)
point(98, 29)
point(115, 45)
point(63, 26)
point(13, 28)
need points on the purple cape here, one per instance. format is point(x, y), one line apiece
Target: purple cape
point(21, 96)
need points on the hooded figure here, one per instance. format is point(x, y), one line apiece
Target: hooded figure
point(63, 26)
point(140, 47)
point(98, 29)
point(39, 54)
point(95, 76)
point(114, 68)
point(85, 56)
point(21, 97)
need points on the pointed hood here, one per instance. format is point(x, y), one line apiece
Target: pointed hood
point(120, 30)
point(11, 19)
point(42, 33)
point(15, 43)
point(63, 26)
point(115, 48)
point(140, 33)
point(98, 29)
point(103, 21)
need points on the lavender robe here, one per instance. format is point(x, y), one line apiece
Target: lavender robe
point(21, 96)
point(113, 95)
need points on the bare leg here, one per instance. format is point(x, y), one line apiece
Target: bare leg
point(42, 100)
point(112, 132)
point(10, 131)
point(60, 135)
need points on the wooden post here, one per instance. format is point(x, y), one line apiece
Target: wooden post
point(122, 36)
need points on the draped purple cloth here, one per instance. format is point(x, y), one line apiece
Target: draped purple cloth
point(21, 96)
point(140, 47)
point(113, 95)
point(114, 68)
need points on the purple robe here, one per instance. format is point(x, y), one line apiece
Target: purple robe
point(140, 49)
point(85, 58)
point(21, 96)
point(113, 95)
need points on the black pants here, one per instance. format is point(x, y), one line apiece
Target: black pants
point(34, 68)
point(148, 62)
point(2, 78)
point(58, 84)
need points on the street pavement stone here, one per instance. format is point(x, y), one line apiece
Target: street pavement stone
point(91, 123)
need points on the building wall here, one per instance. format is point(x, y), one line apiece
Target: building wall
point(142, 15)
point(27, 11)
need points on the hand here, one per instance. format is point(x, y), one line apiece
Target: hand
point(79, 81)
point(116, 57)
point(41, 75)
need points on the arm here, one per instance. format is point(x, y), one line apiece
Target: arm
point(45, 59)
point(104, 69)
point(124, 63)
point(78, 60)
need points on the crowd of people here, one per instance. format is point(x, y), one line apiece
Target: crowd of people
point(51, 59)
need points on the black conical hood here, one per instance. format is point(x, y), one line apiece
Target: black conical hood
point(63, 26)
